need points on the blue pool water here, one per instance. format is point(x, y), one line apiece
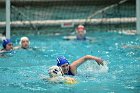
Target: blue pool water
point(21, 71)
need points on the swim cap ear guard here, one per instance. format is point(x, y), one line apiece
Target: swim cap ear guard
point(5, 42)
point(61, 60)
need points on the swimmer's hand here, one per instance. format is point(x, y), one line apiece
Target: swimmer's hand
point(99, 61)
point(70, 80)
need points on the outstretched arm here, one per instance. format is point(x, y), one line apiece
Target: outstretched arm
point(81, 60)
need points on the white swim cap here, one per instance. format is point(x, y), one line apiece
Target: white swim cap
point(24, 38)
point(55, 71)
point(81, 27)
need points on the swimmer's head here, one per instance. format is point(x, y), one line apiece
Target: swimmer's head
point(61, 60)
point(55, 71)
point(81, 29)
point(24, 42)
point(64, 64)
point(6, 42)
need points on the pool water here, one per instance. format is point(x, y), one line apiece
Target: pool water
point(21, 70)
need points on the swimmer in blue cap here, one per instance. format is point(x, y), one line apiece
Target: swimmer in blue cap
point(71, 69)
point(7, 45)
point(62, 60)
point(64, 64)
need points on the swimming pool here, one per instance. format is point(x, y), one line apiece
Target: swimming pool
point(21, 71)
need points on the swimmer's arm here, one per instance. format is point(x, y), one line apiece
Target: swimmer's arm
point(136, 46)
point(78, 62)
point(17, 47)
point(69, 37)
point(91, 39)
point(130, 46)
point(1, 51)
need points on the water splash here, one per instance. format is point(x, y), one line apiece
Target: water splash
point(99, 68)
point(92, 67)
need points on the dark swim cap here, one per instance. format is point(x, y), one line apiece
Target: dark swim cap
point(61, 60)
point(5, 42)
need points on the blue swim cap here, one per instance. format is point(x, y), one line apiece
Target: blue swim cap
point(5, 42)
point(61, 60)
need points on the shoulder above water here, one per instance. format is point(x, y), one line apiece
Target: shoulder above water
point(69, 37)
point(75, 38)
